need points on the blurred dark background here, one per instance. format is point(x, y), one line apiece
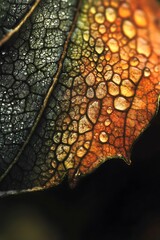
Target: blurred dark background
point(116, 202)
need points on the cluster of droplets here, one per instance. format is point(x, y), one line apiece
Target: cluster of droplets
point(107, 58)
point(113, 36)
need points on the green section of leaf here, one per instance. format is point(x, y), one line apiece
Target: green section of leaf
point(29, 65)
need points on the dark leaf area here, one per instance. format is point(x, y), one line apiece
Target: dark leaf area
point(28, 67)
point(11, 12)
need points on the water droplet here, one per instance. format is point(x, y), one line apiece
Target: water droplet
point(157, 69)
point(99, 18)
point(102, 29)
point(124, 10)
point(134, 61)
point(93, 111)
point(57, 137)
point(99, 67)
point(116, 78)
point(143, 47)
point(135, 74)
point(109, 110)
point(115, 3)
point(113, 89)
point(81, 152)
point(147, 72)
point(103, 137)
point(113, 28)
point(121, 104)
point(107, 122)
point(90, 79)
point(72, 138)
point(62, 151)
point(110, 14)
point(108, 75)
point(101, 90)
point(87, 144)
point(93, 10)
point(86, 36)
point(99, 47)
point(113, 45)
point(54, 164)
point(140, 18)
point(91, 42)
point(127, 88)
point(90, 93)
point(129, 29)
point(84, 125)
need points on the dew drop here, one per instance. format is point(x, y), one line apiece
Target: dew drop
point(93, 10)
point(101, 90)
point(91, 42)
point(99, 67)
point(62, 151)
point(99, 47)
point(90, 79)
point(72, 138)
point(135, 74)
point(134, 61)
point(115, 3)
point(86, 36)
point(84, 125)
point(113, 89)
point(116, 78)
point(90, 93)
point(113, 28)
point(102, 29)
point(140, 18)
point(93, 111)
point(110, 14)
point(143, 47)
point(157, 69)
point(103, 137)
point(81, 152)
point(121, 104)
point(107, 122)
point(109, 110)
point(87, 144)
point(147, 72)
point(99, 18)
point(113, 45)
point(124, 10)
point(129, 29)
point(127, 88)
point(108, 75)
point(57, 137)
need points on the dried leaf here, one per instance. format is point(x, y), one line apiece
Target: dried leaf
point(79, 84)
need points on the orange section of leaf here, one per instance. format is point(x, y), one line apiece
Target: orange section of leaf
point(118, 83)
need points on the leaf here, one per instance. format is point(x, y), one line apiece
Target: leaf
point(13, 15)
point(75, 96)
